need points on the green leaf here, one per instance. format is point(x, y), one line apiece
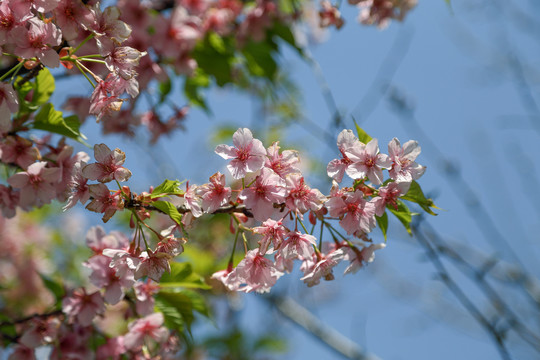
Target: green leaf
point(215, 58)
point(54, 287)
point(192, 89)
point(51, 120)
point(164, 89)
point(169, 209)
point(270, 343)
point(362, 135)
point(168, 187)
point(403, 214)
point(259, 59)
point(382, 221)
point(416, 195)
point(178, 307)
point(182, 276)
point(7, 331)
point(284, 32)
point(44, 87)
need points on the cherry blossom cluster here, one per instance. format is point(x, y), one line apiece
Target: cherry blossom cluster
point(276, 190)
point(372, 12)
point(84, 310)
point(41, 172)
point(34, 31)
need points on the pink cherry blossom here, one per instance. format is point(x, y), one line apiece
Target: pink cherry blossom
point(214, 194)
point(70, 15)
point(171, 246)
point(272, 232)
point(404, 168)
point(9, 104)
point(37, 184)
point(267, 190)
point(41, 331)
point(388, 195)
point(144, 291)
point(298, 245)
point(256, 272)
point(82, 307)
point(336, 168)
point(193, 202)
point(18, 150)
point(123, 60)
point(109, 165)
point(330, 15)
point(367, 162)
point(149, 327)
point(358, 214)
point(301, 197)
point(248, 154)
point(113, 349)
point(358, 257)
point(322, 267)
point(109, 30)
point(103, 201)
point(9, 199)
point(98, 240)
point(105, 277)
point(21, 352)
point(283, 163)
point(78, 187)
point(37, 41)
point(153, 265)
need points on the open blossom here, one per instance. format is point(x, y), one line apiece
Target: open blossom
point(389, 194)
point(109, 165)
point(144, 291)
point(336, 168)
point(283, 163)
point(83, 307)
point(404, 168)
point(366, 161)
point(41, 331)
point(9, 199)
point(193, 202)
point(256, 272)
point(358, 257)
point(149, 327)
point(321, 267)
point(69, 16)
point(9, 104)
point(78, 187)
point(214, 194)
point(358, 214)
point(301, 197)
point(267, 190)
point(103, 201)
point(272, 232)
point(109, 30)
point(18, 150)
point(298, 245)
point(37, 41)
point(37, 184)
point(248, 154)
point(330, 15)
point(105, 277)
point(153, 265)
point(123, 60)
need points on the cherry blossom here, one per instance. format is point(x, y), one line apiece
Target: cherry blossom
point(109, 165)
point(283, 163)
point(149, 327)
point(404, 168)
point(9, 104)
point(248, 154)
point(37, 40)
point(83, 307)
point(358, 214)
point(336, 168)
point(267, 190)
point(256, 272)
point(37, 184)
point(366, 161)
point(214, 194)
point(301, 197)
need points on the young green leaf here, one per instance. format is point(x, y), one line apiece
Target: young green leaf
point(167, 187)
point(44, 87)
point(362, 135)
point(169, 209)
point(416, 195)
point(382, 221)
point(51, 120)
point(403, 214)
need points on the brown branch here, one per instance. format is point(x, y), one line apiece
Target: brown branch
point(229, 209)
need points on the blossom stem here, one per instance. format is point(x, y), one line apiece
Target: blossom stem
point(245, 242)
point(96, 78)
point(92, 60)
point(143, 236)
point(320, 236)
point(90, 56)
point(15, 68)
point(83, 42)
point(86, 76)
point(231, 259)
point(302, 224)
